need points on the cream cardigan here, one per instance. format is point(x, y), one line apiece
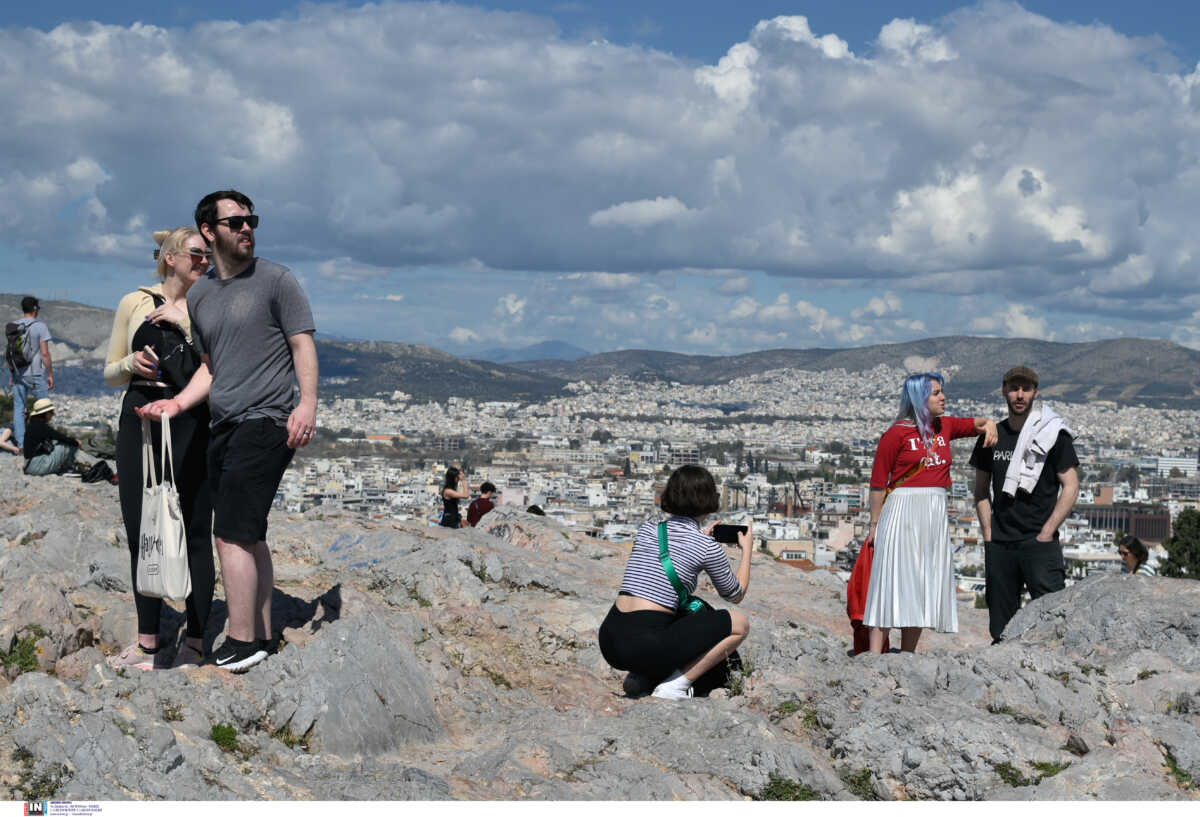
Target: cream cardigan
point(131, 314)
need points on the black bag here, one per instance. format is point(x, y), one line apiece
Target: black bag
point(99, 472)
point(178, 360)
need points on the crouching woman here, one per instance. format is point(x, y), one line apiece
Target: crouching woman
point(645, 632)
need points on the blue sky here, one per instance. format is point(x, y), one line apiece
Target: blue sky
point(704, 177)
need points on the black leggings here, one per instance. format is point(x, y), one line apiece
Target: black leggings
point(189, 439)
point(655, 644)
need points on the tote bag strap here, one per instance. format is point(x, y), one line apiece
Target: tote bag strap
point(168, 456)
point(148, 479)
point(687, 604)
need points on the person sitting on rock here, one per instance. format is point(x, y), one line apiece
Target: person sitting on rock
point(482, 504)
point(644, 632)
point(1136, 558)
point(6, 441)
point(47, 450)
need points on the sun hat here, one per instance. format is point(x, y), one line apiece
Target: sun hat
point(42, 407)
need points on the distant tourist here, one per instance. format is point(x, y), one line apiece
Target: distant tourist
point(1024, 489)
point(644, 633)
point(536, 510)
point(30, 369)
point(253, 327)
point(454, 488)
point(912, 575)
point(482, 504)
point(1136, 557)
point(6, 441)
point(150, 353)
point(47, 450)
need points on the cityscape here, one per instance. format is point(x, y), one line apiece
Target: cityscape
point(791, 450)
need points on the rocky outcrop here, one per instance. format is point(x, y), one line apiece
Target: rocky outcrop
point(425, 663)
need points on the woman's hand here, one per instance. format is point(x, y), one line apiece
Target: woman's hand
point(709, 530)
point(169, 313)
point(144, 366)
point(990, 433)
point(746, 539)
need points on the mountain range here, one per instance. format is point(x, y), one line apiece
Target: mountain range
point(1122, 370)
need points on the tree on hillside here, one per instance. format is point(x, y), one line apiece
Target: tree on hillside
point(1129, 474)
point(1183, 547)
point(1120, 538)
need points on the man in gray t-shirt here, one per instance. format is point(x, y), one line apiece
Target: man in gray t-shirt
point(37, 378)
point(254, 330)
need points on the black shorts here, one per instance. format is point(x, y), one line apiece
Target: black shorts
point(655, 644)
point(246, 461)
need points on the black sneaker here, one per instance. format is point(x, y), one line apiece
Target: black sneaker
point(238, 656)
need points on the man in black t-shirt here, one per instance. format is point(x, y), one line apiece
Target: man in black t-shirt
point(1020, 508)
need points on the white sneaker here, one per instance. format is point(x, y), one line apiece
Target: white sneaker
point(671, 692)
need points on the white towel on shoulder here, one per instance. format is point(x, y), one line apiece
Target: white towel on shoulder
point(1037, 437)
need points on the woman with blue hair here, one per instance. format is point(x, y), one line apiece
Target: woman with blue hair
point(912, 576)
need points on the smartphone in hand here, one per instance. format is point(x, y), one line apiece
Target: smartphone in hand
point(728, 534)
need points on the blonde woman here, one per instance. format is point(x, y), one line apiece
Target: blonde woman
point(150, 353)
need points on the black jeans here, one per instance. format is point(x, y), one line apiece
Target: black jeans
point(1010, 568)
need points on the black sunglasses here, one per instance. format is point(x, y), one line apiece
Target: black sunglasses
point(236, 222)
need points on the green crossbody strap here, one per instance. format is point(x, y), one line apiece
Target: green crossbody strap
point(687, 602)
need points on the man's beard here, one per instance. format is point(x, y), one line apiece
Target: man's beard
point(232, 250)
point(1014, 412)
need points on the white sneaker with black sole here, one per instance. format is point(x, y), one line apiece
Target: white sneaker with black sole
point(238, 656)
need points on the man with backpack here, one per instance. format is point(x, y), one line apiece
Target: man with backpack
point(27, 352)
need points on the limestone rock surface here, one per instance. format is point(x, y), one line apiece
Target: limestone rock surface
point(425, 663)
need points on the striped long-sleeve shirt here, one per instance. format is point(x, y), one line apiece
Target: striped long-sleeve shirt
point(691, 551)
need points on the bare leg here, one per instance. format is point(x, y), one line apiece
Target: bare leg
point(239, 574)
point(6, 442)
point(909, 636)
point(266, 585)
point(876, 638)
point(740, 628)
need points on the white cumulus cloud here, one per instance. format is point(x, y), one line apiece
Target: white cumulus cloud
point(643, 213)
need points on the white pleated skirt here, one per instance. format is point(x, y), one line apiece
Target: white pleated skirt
point(912, 576)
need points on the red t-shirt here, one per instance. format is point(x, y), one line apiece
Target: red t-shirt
point(900, 448)
point(477, 509)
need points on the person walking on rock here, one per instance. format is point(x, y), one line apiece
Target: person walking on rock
point(36, 376)
point(150, 353)
point(253, 327)
point(912, 575)
point(1025, 487)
